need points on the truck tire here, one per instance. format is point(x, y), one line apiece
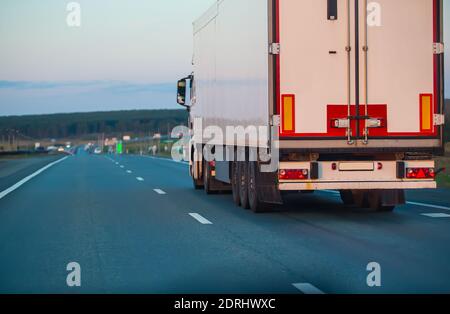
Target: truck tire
point(254, 203)
point(197, 183)
point(207, 178)
point(243, 184)
point(235, 183)
point(374, 199)
point(347, 197)
point(360, 198)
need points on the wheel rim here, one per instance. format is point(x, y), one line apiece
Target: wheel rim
point(252, 184)
point(235, 184)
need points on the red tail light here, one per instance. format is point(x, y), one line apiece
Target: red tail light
point(294, 174)
point(420, 173)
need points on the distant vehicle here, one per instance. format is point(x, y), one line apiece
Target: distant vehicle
point(352, 95)
point(97, 150)
point(61, 149)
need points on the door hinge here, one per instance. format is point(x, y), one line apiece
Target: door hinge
point(438, 48)
point(276, 120)
point(438, 119)
point(275, 48)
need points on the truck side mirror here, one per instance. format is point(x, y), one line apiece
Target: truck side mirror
point(181, 92)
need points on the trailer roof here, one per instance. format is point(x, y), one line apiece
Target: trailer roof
point(207, 17)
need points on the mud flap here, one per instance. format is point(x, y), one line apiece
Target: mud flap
point(392, 197)
point(267, 186)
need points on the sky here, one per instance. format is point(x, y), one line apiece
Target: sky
point(126, 54)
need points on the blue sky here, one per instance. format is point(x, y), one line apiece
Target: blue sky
point(126, 54)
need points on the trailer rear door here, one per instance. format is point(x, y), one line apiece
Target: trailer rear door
point(358, 69)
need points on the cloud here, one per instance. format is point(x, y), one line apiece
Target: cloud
point(107, 86)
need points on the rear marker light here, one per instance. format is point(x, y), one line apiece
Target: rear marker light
point(334, 166)
point(420, 173)
point(288, 113)
point(426, 112)
point(297, 174)
point(380, 166)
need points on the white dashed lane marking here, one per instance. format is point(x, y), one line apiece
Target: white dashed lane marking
point(140, 179)
point(307, 288)
point(159, 191)
point(200, 219)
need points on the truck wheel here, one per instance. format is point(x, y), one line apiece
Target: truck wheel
point(374, 199)
point(235, 183)
point(361, 198)
point(243, 184)
point(347, 197)
point(197, 183)
point(255, 205)
point(207, 177)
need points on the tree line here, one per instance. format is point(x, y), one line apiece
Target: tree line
point(78, 125)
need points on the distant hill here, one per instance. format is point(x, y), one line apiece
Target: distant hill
point(78, 125)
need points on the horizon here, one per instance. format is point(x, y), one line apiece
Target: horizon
point(122, 57)
point(87, 112)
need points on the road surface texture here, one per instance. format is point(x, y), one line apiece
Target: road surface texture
point(135, 225)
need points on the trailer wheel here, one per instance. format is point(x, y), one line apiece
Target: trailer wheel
point(361, 198)
point(243, 184)
point(207, 178)
point(255, 205)
point(235, 183)
point(197, 183)
point(375, 203)
point(347, 197)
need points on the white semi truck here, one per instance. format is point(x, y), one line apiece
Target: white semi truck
point(349, 91)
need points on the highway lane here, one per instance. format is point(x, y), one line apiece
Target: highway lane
point(13, 170)
point(135, 225)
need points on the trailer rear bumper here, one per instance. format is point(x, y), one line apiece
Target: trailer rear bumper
point(357, 175)
point(315, 186)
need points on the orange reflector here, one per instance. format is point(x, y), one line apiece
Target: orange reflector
point(426, 112)
point(288, 113)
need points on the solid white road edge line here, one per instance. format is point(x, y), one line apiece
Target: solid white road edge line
point(436, 215)
point(409, 203)
point(307, 288)
point(160, 192)
point(31, 176)
point(428, 205)
point(200, 219)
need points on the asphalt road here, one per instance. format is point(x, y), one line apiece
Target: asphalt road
point(135, 225)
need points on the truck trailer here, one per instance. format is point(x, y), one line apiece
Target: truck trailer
point(351, 93)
